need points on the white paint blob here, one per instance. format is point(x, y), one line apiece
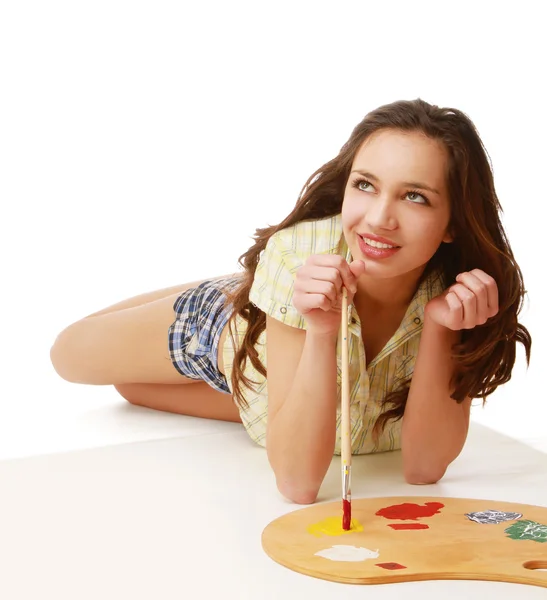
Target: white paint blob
point(348, 553)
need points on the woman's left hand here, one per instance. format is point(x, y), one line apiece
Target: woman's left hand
point(468, 303)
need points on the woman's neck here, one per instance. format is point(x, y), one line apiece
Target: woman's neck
point(391, 294)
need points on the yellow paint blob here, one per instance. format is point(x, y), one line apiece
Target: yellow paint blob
point(333, 526)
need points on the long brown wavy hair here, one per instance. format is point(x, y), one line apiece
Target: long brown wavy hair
point(486, 354)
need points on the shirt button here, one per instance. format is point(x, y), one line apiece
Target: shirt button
point(353, 320)
point(417, 320)
point(283, 309)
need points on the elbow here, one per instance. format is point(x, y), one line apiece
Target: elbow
point(424, 477)
point(298, 483)
point(300, 496)
point(297, 493)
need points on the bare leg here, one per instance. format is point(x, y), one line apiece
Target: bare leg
point(150, 297)
point(196, 400)
point(126, 345)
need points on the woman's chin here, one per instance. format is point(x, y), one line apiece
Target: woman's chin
point(383, 270)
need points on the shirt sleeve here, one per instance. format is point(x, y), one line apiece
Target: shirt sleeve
point(273, 286)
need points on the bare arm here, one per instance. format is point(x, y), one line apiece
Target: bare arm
point(434, 425)
point(302, 387)
point(301, 409)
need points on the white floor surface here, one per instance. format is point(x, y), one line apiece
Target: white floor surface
point(101, 499)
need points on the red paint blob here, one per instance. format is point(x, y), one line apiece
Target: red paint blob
point(408, 526)
point(346, 519)
point(410, 511)
point(390, 566)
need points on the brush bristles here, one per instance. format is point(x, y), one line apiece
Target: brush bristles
point(346, 517)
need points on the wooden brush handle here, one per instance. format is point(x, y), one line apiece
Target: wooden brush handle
point(345, 433)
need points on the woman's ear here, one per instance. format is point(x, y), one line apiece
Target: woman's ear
point(448, 236)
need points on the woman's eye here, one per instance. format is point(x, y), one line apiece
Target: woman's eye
point(421, 199)
point(414, 196)
point(362, 183)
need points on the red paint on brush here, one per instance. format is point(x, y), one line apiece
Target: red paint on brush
point(346, 518)
point(408, 526)
point(410, 511)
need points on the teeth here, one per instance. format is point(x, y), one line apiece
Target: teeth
point(375, 244)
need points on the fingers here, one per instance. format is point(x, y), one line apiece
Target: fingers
point(313, 286)
point(456, 309)
point(308, 302)
point(357, 268)
point(318, 283)
point(477, 294)
point(468, 304)
point(491, 291)
point(332, 268)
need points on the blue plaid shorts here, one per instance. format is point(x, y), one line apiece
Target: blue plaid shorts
point(201, 315)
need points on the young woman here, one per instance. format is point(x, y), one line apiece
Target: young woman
point(406, 217)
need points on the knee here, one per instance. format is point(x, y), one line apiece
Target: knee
point(61, 355)
point(129, 391)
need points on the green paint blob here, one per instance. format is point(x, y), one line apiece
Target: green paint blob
point(527, 530)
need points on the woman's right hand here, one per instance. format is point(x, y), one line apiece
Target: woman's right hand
point(318, 290)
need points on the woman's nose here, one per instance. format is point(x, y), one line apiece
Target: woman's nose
point(381, 214)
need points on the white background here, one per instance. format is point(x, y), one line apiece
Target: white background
point(142, 143)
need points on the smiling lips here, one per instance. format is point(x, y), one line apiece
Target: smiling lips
point(374, 246)
point(379, 240)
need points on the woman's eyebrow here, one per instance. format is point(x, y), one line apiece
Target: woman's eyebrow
point(416, 184)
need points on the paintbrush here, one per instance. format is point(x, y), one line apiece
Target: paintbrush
point(346, 437)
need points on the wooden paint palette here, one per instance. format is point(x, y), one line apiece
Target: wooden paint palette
point(414, 538)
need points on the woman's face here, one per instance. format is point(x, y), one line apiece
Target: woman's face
point(397, 191)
